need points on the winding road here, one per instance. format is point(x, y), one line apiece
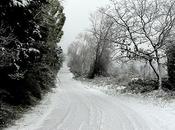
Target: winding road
point(74, 106)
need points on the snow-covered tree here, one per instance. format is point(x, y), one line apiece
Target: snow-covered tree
point(30, 58)
point(142, 28)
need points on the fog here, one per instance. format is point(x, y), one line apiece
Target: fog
point(77, 18)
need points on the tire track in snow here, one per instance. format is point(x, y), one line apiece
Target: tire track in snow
point(74, 107)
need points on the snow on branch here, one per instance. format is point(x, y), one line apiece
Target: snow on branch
point(21, 2)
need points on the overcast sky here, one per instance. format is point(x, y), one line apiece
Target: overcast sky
point(77, 18)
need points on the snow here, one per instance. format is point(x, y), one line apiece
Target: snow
point(34, 50)
point(21, 3)
point(75, 106)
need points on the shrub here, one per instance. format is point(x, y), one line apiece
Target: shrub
point(29, 56)
point(142, 86)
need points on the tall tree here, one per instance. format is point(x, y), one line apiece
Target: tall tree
point(142, 29)
point(81, 54)
point(53, 19)
point(101, 31)
point(29, 33)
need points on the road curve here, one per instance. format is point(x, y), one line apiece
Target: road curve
point(76, 107)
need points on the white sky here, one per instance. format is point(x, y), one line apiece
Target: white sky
point(77, 18)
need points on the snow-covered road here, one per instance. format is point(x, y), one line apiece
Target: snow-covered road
point(73, 106)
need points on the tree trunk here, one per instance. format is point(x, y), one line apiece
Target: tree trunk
point(171, 65)
point(157, 72)
point(92, 72)
point(154, 69)
point(93, 67)
point(160, 75)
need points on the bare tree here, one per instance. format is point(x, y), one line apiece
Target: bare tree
point(101, 31)
point(142, 28)
point(93, 49)
point(81, 54)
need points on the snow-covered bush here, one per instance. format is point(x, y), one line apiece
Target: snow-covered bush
point(147, 85)
point(142, 86)
point(29, 55)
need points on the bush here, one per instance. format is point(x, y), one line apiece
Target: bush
point(29, 56)
point(166, 84)
point(9, 113)
point(142, 86)
point(5, 113)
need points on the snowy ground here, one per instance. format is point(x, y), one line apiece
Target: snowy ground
point(75, 106)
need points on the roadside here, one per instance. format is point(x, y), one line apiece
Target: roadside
point(76, 105)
